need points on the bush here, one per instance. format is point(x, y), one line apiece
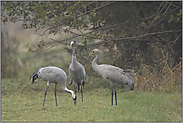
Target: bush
point(163, 76)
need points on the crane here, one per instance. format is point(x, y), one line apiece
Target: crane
point(52, 74)
point(76, 71)
point(114, 75)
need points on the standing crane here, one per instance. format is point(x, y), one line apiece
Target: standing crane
point(76, 71)
point(55, 75)
point(112, 74)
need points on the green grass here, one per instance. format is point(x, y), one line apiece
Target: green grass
point(22, 101)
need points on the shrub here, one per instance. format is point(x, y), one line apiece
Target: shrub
point(163, 76)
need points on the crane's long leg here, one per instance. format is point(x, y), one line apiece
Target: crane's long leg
point(75, 87)
point(55, 94)
point(70, 83)
point(81, 93)
point(83, 83)
point(115, 94)
point(46, 92)
point(78, 87)
point(112, 95)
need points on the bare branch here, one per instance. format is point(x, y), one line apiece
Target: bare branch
point(175, 40)
point(134, 37)
point(156, 16)
point(95, 9)
point(163, 16)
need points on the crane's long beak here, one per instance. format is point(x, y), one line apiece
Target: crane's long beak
point(75, 102)
point(91, 54)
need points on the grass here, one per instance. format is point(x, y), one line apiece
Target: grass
point(22, 101)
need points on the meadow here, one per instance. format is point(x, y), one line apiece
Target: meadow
point(21, 101)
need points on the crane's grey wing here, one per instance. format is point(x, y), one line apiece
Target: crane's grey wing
point(51, 74)
point(118, 75)
point(130, 73)
point(109, 72)
point(77, 72)
point(83, 72)
point(114, 73)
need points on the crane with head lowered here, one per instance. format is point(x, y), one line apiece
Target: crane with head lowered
point(52, 74)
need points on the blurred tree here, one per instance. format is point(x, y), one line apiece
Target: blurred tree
point(140, 30)
point(130, 33)
point(9, 63)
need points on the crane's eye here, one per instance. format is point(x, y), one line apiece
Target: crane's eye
point(92, 51)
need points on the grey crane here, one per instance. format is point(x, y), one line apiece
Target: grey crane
point(55, 75)
point(112, 74)
point(76, 71)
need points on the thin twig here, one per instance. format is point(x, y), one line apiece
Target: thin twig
point(175, 41)
point(156, 16)
point(95, 9)
point(163, 16)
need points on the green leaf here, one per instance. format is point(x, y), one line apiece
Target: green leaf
point(30, 49)
point(46, 18)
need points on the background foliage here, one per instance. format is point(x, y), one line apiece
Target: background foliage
point(9, 62)
point(144, 36)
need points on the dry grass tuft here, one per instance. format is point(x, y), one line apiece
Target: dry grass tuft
point(160, 77)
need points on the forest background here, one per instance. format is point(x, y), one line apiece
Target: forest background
point(143, 36)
